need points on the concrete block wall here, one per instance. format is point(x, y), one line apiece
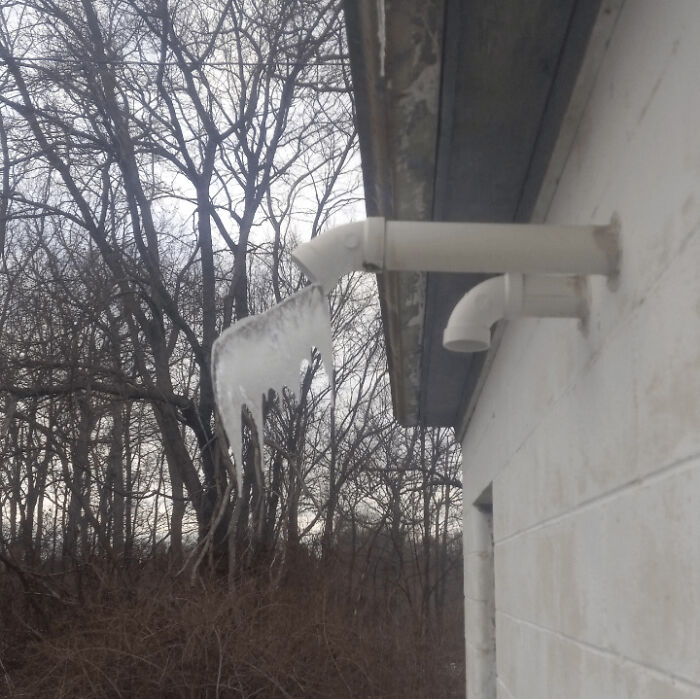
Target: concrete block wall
point(590, 436)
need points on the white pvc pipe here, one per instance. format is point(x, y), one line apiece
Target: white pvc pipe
point(377, 245)
point(500, 247)
point(545, 296)
point(511, 296)
point(469, 326)
point(341, 250)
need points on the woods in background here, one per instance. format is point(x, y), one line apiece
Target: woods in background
point(160, 160)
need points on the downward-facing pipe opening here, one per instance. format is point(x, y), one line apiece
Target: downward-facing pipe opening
point(341, 250)
point(511, 296)
point(469, 326)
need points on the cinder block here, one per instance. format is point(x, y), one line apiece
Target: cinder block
point(620, 575)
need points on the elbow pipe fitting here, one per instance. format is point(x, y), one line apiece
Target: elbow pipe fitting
point(511, 296)
point(469, 326)
point(341, 250)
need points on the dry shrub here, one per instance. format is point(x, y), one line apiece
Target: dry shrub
point(172, 640)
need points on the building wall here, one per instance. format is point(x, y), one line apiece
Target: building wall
point(590, 435)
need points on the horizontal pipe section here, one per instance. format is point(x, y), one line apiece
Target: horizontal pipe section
point(428, 246)
point(545, 296)
point(500, 247)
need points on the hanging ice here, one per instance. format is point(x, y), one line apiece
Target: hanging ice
point(265, 352)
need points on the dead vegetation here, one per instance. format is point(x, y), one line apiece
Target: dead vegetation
point(161, 637)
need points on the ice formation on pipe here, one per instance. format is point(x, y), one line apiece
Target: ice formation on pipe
point(265, 352)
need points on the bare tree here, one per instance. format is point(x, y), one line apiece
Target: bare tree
point(160, 160)
point(128, 119)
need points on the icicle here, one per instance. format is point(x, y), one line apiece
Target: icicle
point(265, 352)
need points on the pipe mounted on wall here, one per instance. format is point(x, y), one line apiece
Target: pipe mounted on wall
point(533, 256)
point(512, 296)
point(493, 248)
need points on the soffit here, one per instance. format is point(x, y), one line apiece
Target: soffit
point(459, 105)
